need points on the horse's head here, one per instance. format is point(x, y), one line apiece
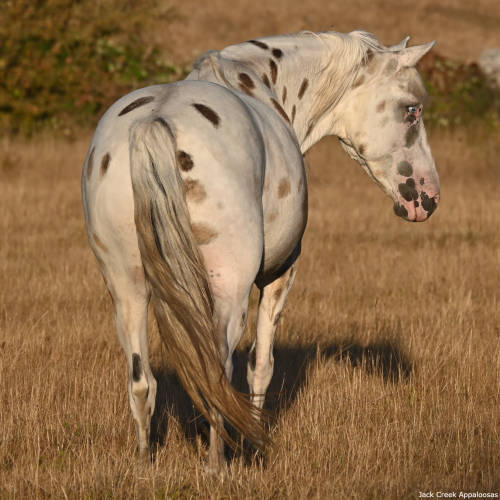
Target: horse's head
point(382, 128)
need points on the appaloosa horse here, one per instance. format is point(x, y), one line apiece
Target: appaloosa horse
point(195, 190)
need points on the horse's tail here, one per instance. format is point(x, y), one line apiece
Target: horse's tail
point(181, 294)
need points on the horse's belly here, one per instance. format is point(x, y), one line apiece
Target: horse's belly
point(284, 225)
point(284, 200)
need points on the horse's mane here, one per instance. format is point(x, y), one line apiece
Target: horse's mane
point(340, 57)
point(348, 52)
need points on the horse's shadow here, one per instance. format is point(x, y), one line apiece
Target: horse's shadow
point(384, 359)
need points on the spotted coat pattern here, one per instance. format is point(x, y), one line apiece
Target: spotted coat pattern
point(220, 156)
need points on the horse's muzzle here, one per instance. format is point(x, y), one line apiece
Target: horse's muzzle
point(417, 210)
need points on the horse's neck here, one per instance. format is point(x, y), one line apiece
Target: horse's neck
point(291, 74)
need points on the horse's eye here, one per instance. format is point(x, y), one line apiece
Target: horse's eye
point(412, 110)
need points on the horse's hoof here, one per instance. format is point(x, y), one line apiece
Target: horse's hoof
point(215, 470)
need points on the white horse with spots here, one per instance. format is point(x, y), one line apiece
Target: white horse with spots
point(195, 190)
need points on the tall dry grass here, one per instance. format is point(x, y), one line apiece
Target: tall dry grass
point(387, 359)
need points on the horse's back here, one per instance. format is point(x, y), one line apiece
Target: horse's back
point(205, 118)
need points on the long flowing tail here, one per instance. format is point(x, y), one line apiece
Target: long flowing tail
point(181, 294)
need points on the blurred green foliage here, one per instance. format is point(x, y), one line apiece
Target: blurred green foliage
point(62, 62)
point(459, 94)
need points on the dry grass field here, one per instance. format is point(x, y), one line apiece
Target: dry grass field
point(387, 359)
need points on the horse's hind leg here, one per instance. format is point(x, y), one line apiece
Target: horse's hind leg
point(125, 280)
point(131, 322)
point(261, 361)
point(231, 316)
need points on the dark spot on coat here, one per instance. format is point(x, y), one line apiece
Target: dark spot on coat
point(411, 135)
point(428, 204)
point(136, 367)
point(194, 190)
point(279, 109)
point(105, 163)
point(184, 161)
point(245, 89)
point(400, 211)
point(277, 293)
point(408, 192)
point(283, 96)
point(203, 233)
point(135, 104)
point(259, 44)
point(405, 168)
point(303, 88)
point(380, 106)
point(246, 80)
point(272, 216)
point(361, 149)
point(422, 181)
point(294, 110)
point(274, 70)
point(278, 53)
point(243, 319)
point(359, 81)
point(416, 203)
point(90, 163)
point(410, 182)
point(208, 113)
point(265, 79)
point(283, 188)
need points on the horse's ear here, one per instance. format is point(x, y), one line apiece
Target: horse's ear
point(410, 56)
point(400, 46)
